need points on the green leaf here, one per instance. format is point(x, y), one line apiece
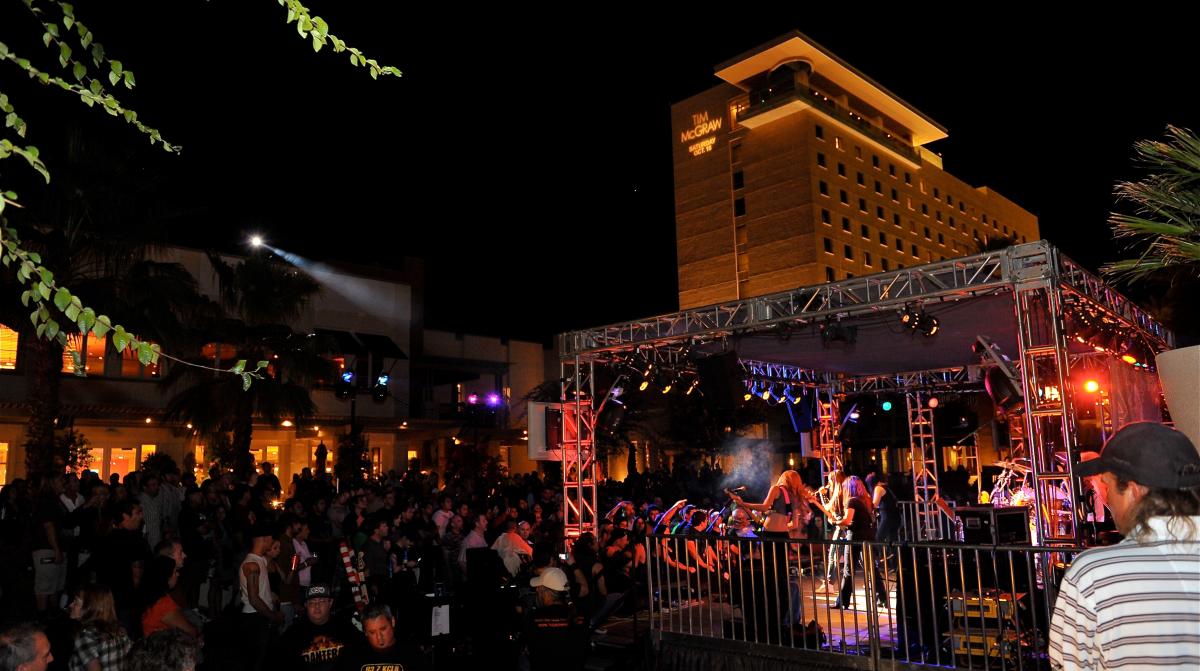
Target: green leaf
point(117, 67)
point(129, 80)
point(79, 71)
point(120, 338)
point(47, 276)
point(146, 355)
point(77, 363)
point(95, 86)
point(64, 54)
point(317, 42)
point(25, 296)
point(44, 291)
point(113, 78)
point(246, 381)
point(35, 317)
point(41, 328)
point(72, 312)
point(87, 319)
point(52, 29)
point(46, 37)
point(62, 298)
point(86, 39)
point(33, 256)
point(238, 367)
point(262, 365)
point(102, 326)
point(68, 21)
point(51, 328)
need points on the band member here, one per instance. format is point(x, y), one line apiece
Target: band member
point(859, 519)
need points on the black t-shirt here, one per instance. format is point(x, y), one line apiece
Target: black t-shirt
point(556, 638)
point(115, 556)
point(365, 658)
point(862, 527)
point(49, 509)
point(316, 647)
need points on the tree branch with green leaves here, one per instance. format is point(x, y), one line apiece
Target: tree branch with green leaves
point(316, 29)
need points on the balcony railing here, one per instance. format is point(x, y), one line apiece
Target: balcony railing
point(765, 100)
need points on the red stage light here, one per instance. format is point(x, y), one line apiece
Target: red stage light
point(1091, 386)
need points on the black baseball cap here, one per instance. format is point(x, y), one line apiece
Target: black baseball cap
point(1149, 454)
point(318, 591)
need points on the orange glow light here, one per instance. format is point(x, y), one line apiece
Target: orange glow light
point(1091, 386)
point(1128, 358)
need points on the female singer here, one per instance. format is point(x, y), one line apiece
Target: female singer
point(859, 519)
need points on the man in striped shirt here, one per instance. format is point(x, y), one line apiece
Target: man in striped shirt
point(1136, 605)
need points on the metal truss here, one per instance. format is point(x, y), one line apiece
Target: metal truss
point(1078, 280)
point(1004, 270)
point(923, 448)
point(829, 442)
point(957, 377)
point(779, 372)
point(578, 447)
point(847, 298)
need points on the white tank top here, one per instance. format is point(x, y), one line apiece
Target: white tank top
point(263, 587)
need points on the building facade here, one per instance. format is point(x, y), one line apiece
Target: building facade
point(373, 318)
point(798, 169)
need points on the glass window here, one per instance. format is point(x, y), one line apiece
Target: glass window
point(91, 351)
point(821, 159)
point(131, 367)
point(9, 339)
point(739, 207)
point(828, 274)
point(879, 213)
point(828, 246)
point(846, 224)
point(882, 238)
point(841, 169)
point(862, 204)
point(858, 177)
point(848, 251)
point(908, 178)
point(739, 179)
point(865, 232)
point(3, 463)
point(820, 131)
point(866, 258)
point(883, 263)
point(823, 188)
point(825, 219)
point(844, 197)
point(878, 187)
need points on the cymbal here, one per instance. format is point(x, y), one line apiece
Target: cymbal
point(1012, 466)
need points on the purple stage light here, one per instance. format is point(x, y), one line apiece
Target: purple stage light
point(472, 399)
point(493, 400)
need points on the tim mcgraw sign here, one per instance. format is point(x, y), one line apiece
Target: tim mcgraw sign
point(700, 137)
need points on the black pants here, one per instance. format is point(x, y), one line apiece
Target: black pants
point(851, 555)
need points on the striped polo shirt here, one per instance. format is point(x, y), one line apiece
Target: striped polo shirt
point(1134, 605)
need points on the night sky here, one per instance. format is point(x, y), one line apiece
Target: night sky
point(526, 155)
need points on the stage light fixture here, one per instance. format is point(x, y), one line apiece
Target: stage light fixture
point(1091, 386)
point(493, 400)
point(645, 383)
point(934, 402)
point(766, 393)
point(887, 406)
point(472, 399)
point(692, 387)
point(256, 241)
point(667, 387)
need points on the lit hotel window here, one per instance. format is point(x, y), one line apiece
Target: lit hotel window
point(91, 350)
point(8, 349)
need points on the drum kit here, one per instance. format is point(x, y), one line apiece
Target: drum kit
point(1012, 485)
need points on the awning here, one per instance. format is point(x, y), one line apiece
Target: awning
point(381, 345)
point(343, 342)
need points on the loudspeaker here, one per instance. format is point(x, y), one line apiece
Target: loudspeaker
point(721, 381)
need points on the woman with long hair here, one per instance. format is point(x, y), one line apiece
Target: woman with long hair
point(859, 519)
point(101, 643)
point(787, 512)
point(161, 610)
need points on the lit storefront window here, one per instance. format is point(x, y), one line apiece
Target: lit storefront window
point(3, 463)
point(9, 339)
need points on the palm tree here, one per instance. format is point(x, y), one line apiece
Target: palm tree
point(258, 296)
point(1164, 225)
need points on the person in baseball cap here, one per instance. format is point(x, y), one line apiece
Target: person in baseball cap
point(316, 640)
point(552, 579)
point(1135, 603)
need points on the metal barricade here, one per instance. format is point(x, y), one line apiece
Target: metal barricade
point(889, 605)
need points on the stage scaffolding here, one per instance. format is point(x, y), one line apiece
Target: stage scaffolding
point(1036, 275)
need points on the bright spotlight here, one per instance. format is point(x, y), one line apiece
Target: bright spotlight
point(493, 400)
point(472, 399)
point(1091, 386)
point(933, 402)
point(887, 406)
point(256, 241)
